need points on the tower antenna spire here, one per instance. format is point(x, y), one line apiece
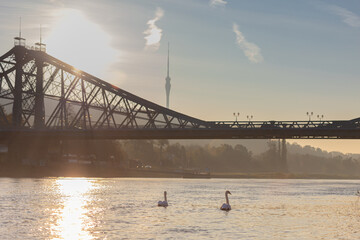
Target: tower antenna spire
point(40, 46)
point(19, 41)
point(167, 79)
point(168, 59)
point(20, 28)
point(40, 34)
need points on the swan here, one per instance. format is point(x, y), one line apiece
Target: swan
point(163, 203)
point(226, 206)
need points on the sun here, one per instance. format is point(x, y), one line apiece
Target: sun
point(81, 43)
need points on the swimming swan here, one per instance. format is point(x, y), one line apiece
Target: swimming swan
point(226, 206)
point(163, 203)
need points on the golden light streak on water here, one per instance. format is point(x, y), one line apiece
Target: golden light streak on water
point(73, 221)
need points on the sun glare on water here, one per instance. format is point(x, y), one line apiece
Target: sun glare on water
point(83, 44)
point(73, 222)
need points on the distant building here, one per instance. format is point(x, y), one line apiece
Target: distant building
point(167, 79)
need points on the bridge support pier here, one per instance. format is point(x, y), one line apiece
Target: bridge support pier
point(283, 157)
point(27, 151)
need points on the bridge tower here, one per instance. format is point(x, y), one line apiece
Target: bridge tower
point(167, 79)
point(19, 57)
point(24, 99)
point(19, 52)
point(39, 120)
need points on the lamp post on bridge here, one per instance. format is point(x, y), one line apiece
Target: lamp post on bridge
point(236, 116)
point(320, 117)
point(309, 114)
point(249, 117)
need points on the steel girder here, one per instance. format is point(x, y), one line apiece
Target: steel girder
point(44, 92)
point(43, 96)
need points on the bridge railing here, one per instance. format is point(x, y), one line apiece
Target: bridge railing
point(285, 124)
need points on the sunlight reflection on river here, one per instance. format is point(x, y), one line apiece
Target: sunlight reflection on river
point(73, 222)
point(82, 208)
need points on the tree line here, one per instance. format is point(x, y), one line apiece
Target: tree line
point(225, 157)
point(170, 155)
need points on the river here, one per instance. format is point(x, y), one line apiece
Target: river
point(126, 208)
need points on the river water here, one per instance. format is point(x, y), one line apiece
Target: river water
point(120, 208)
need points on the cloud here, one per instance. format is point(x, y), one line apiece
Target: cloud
point(214, 3)
point(347, 16)
point(251, 50)
point(154, 33)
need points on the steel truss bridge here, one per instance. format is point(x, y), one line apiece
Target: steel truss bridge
point(41, 96)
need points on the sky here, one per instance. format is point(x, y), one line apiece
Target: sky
point(274, 60)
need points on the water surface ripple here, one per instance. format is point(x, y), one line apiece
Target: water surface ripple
point(120, 208)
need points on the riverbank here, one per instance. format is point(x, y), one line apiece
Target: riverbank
point(80, 171)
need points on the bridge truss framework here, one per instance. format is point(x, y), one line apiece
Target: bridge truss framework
point(41, 96)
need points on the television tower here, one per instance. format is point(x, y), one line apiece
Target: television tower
point(167, 79)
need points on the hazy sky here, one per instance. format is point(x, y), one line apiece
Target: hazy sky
point(275, 60)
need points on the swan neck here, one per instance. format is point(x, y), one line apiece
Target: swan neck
point(227, 198)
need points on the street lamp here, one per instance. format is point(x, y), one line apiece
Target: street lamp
point(309, 114)
point(249, 117)
point(236, 116)
point(320, 117)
